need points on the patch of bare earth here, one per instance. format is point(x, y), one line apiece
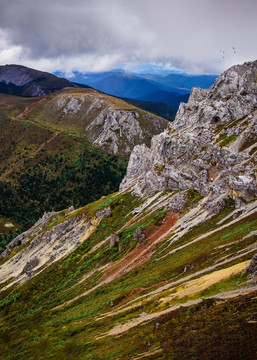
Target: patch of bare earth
point(136, 257)
point(143, 251)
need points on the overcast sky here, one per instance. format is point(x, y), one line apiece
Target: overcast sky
point(197, 36)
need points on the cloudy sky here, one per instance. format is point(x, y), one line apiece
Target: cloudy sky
point(197, 36)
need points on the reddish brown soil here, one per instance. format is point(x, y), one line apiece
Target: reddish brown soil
point(136, 257)
point(144, 250)
point(29, 108)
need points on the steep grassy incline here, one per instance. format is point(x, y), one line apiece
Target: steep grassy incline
point(169, 284)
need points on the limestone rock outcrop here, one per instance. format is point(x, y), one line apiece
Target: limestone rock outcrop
point(210, 147)
point(53, 236)
point(105, 121)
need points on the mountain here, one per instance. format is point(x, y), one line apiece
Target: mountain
point(105, 121)
point(171, 89)
point(183, 81)
point(158, 108)
point(127, 85)
point(66, 148)
point(24, 81)
point(166, 267)
point(172, 99)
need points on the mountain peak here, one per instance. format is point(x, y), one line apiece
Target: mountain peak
point(24, 81)
point(205, 148)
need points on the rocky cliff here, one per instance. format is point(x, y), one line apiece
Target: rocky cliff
point(210, 147)
point(104, 120)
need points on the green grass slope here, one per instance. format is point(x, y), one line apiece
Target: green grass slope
point(177, 292)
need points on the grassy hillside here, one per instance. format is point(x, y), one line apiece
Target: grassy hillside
point(173, 293)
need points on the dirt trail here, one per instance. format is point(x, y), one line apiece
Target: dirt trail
point(29, 108)
point(31, 156)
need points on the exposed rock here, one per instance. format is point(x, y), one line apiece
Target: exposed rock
point(24, 237)
point(121, 130)
point(177, 203)
point(104, 212)
point(105, 121)
point(114, 240)
point(139, 235)
point(197, 150)
point(47, 244)
point(252, 268)
point(30, 265)
point(5, 253)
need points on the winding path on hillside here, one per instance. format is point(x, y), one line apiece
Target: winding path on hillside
point(18, 164)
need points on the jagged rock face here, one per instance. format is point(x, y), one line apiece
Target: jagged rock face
point(252, 268)
point(48, 244)
point(116, 129)
point(210, 147)
point(104, 122)
point(231, 97)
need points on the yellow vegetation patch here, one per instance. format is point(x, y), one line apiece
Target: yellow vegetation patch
point(204, 282)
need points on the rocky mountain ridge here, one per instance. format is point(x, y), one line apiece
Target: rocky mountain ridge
point(211, 145)
point(104, 120)
point(66, 148)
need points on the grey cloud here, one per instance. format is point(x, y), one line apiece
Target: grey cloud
point(53, 28)
point(187, 34)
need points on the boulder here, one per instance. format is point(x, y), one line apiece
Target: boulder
point(252, 268)
point(114, 240)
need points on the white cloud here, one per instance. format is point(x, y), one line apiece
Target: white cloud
point(98, 35)
point(8, 54)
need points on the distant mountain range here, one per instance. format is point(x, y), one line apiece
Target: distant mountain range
point(183, 82)
point(170, 89)
point(158, 94)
